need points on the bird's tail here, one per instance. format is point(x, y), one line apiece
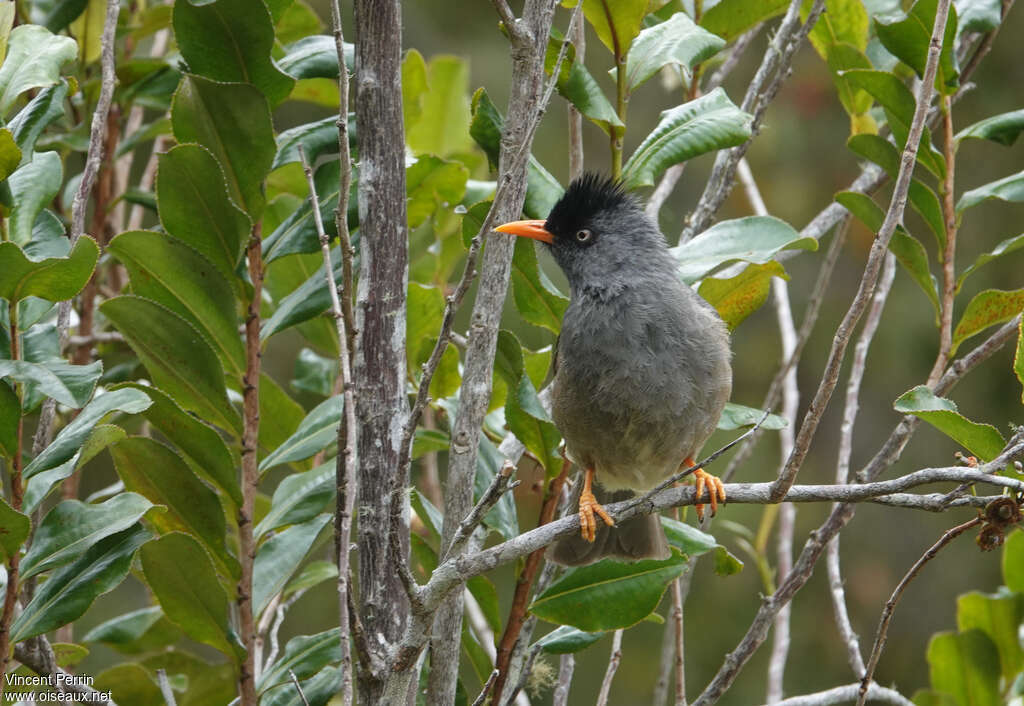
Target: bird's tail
point(632, 540)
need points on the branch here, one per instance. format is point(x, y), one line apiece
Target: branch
point(482, 697)
point(566, 667)
point(890, 605)
point(613, 664)
point(879, 248)
point(845, 694)
point(37, 655)
point(770, 74)
point(165, 687)
point(501, 484)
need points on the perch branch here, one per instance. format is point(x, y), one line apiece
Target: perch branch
point(845, 694)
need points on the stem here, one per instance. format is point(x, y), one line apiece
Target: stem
point(566, 667)
point(613, 666)
point(577, 36)
point(250, 469)
point(949, 253)
point(890, 606)
point(17, 492)
point(617, 133)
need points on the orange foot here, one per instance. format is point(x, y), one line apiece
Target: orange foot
point(715, 488)
point(588, 507)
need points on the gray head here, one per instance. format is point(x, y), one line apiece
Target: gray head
point(599, 235)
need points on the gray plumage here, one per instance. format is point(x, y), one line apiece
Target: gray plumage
point(642, 362)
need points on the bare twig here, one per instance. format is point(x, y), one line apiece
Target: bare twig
point(165, 687)
point(578, 38)
point(664, 189)
point(298, 687)
point(482, 697)
point(566, 667)
point(770, 74)
point(501, 484)
point(845, 694)
point(677, 634)
point(890, 605)
point(613, 664)
point(37, 655)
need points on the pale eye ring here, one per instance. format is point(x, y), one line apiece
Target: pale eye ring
point(584, 236)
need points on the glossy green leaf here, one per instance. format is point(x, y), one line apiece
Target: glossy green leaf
point(312, 574)
point(738, 297)
point(298, 234)
point(998, 617)
point(755, 239)
point(987, 308)
point(608, 595)
point(299, 498)
point(15, 531)
point(1010, 188)
point(1018, 358)
point(432, 183)
point(693, 542)
point(181, 575)
point(33, 187)
point(195, 208)
point(966, 666)
point(34, 59)
point(1013, 562)
point(982, 440)
point(1004, 248)
point(10, 154)
point(317, 138)
point(441, 126)
point(43, 483)
point(71, 527)
point(279, 557)
point(129, 682)
point(177, 356)
point(842, 22)
point(566, 640)
point(154, 471)
point(54, 279)
point(72, 385)
point(731, 18)
point(125, 631)
point(231, 120)
point(580, 88)
point(315, 56)
point(616, 23)
point(88, 30)
point(175, 275)
point(308, 300)
point(502, 518)
point(7, 12)
point(711, 122)
point(317, 431)
point(1003, 128)
point(527, 419)
point(737, 416)
point(979, 15)
point(677, 41)
point(10, 413)
point(304, 655)
point(542, 189)
point(69, 591)
point(41, 111)
point(908, 38)
point(318, 689)
point(537, 299)
point(424, 309)
point(276, 404)
point(231, 40)
point(202, 445)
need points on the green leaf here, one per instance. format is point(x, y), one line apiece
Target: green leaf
point(1018, 358)
point(998, 617)
point(299, 498)
point(232, 121)
point(313, 574)
point(527, 419)
point(431, 183)
point(315, 56)
point(205, 448)
point(731, 18)
point(181, 575)
point(129, 683)
point(132, 632)
point(616, 22)
point(195, 208)
point(566, 640)
point(173, 274)
point(446, 380)
point(10, 154)
point(693, 542)
point(277, 405)
point(1010, 188)
point(70, 528)
point(305, 655)
point(279, 557)
point(843, 22)
point(987, 308)
point(441, 126)
point(316, 432)
point(738, 297)
point(982, 440)
point(966, 666)
point(29, 123)
point(908, 40)
point(318, 689)
point(298, 234)
point(542, 189)
point(207, 684)
point(231, 40)
point(501, 518)
point(69, 592)
point(711, 122)
point(54, 279)
point(178, 358)
point(41, 484)
point(154, 471)
point(755, 239)
point(608, 595)
point(16, 527)
point(33, 187)
point(71, 385)
point(1003, 128)
point(1013, 562)
point(581, 89)
point(308, 300)
point(979, 15)
point(737, 416)
point(1004, 248)
point(318, 138)
point(34, 58)
point(677, 41)
point(10, 413)
point(537, 299)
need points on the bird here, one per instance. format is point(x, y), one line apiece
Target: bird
point(642, 366)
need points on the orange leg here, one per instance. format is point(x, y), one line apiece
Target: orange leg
point(704, 480)
point(589, 506)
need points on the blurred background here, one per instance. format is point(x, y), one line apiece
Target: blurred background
point(800, 161)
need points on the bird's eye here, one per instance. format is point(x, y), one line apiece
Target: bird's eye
point(584, 236)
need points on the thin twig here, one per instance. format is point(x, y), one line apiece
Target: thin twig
point(847, 693)
point(165, 687)
point(949, 219)
point(613, 665)
point(677, 635)
point(501, 484)
point(298, 687)
point(890, 605)
point(578, 38)
point(482, 697)
point(566, 667)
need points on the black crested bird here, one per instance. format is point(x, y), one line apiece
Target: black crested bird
point(642, 366)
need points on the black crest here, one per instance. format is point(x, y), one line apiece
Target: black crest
point(587, 196)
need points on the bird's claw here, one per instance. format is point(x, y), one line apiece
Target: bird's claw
point(715, 488)
point(588, 508)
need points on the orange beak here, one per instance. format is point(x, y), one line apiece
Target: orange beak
point(527, 229)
